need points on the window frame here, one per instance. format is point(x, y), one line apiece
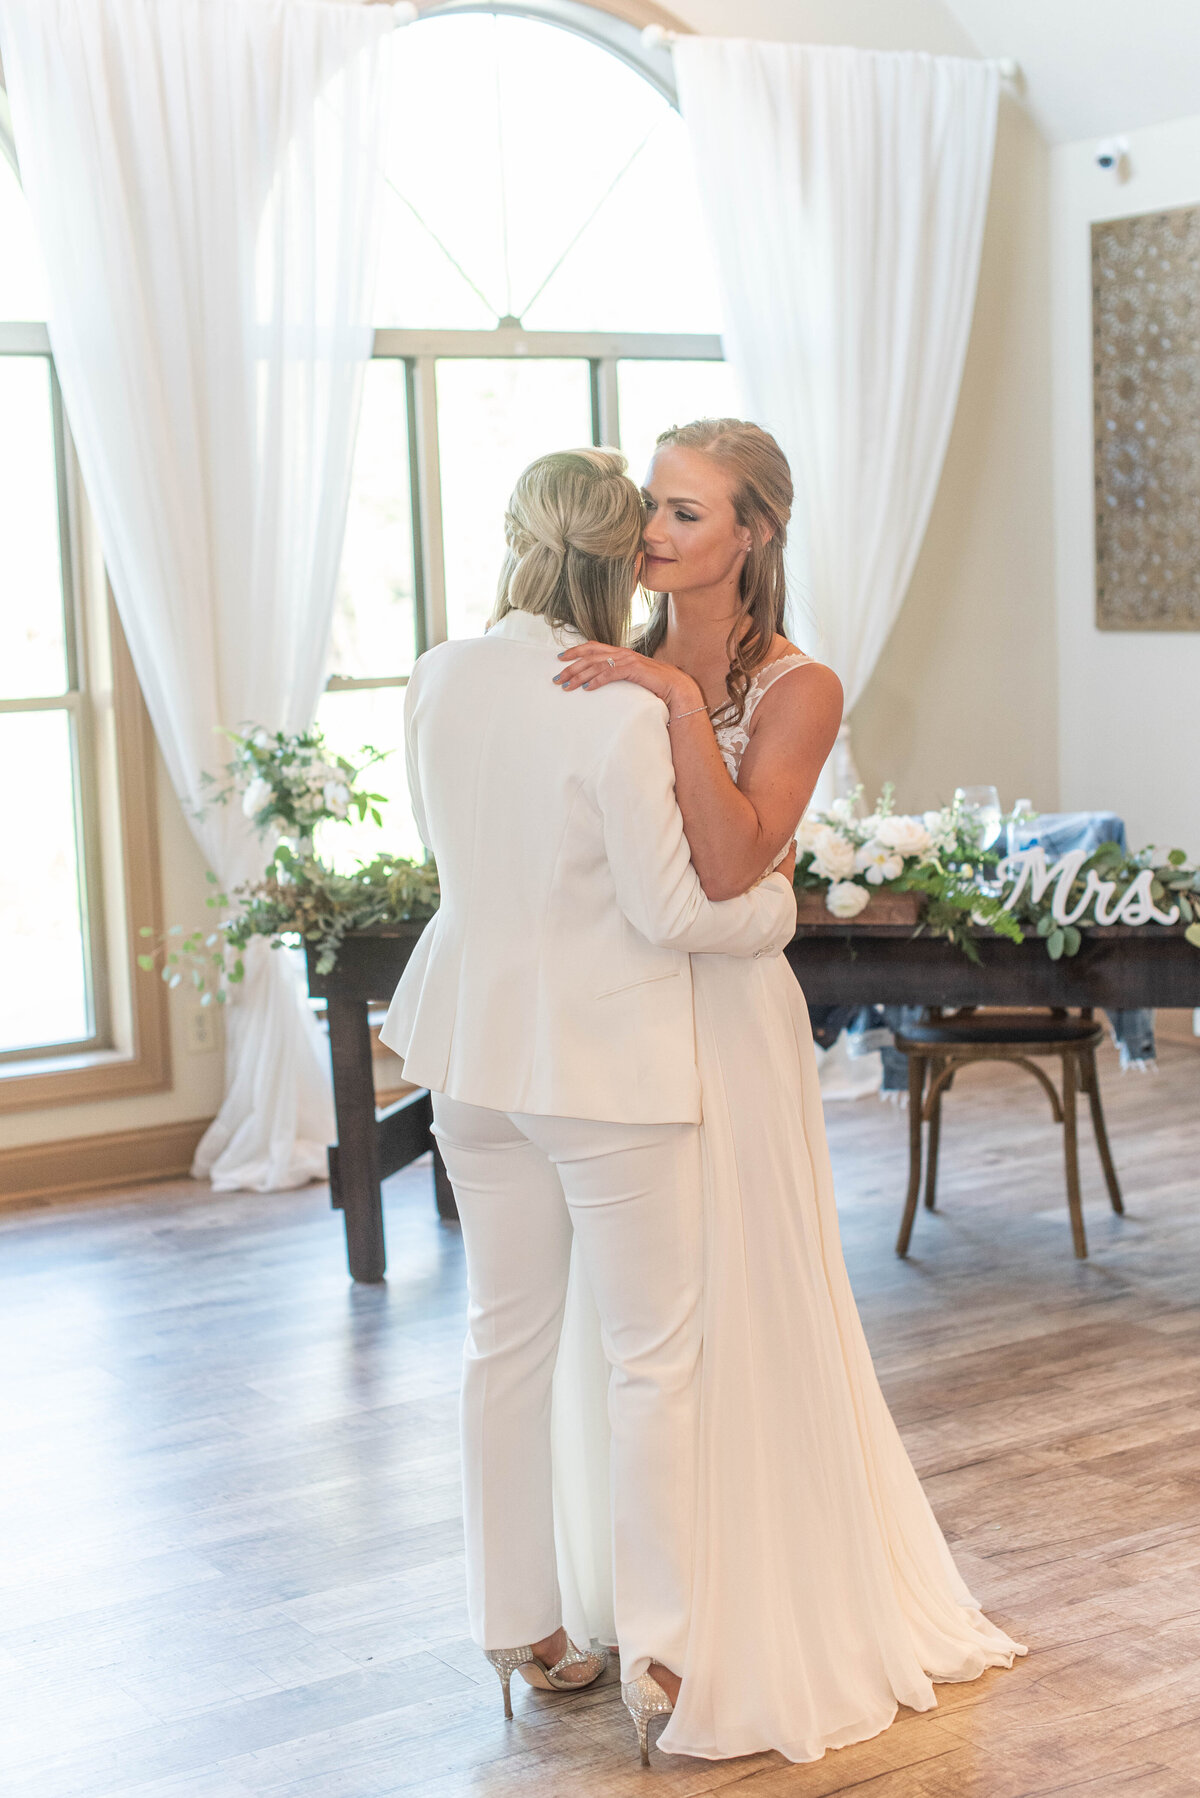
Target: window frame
point(114, 749)
point(608, 29)
point(422, 350)
point(75, 701)
point(130, 1053)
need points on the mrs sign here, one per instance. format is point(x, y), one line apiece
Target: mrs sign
point(1136, 905)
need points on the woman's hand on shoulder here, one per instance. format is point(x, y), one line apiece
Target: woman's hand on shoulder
point(593, 665)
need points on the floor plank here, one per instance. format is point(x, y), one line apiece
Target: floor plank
point(231, 1561)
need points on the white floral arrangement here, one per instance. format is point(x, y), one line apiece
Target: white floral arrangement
point(290, 783)
point(852, 856)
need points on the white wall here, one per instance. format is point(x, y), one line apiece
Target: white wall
point(1127, 699)
point(966, 689)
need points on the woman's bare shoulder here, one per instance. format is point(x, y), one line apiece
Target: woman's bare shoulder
point(819, 677)
point(800, 698)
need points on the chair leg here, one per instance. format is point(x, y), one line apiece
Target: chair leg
point(935, 1131)
point(1091, 1085)
point(916, 1094)
point(1071, 1152)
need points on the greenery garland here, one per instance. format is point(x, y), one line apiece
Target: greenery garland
point(941, 857)
point(300, 899)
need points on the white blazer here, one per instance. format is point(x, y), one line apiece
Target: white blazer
point(555, 978)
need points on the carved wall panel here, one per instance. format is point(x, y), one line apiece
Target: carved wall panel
point(1146, 370)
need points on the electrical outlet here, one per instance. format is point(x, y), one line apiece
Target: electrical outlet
point(203, 1032)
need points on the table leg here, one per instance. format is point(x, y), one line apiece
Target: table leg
point(443, 1192)
point(916, 1098)
point(935, 1136)
point(1071, 1152)
point(358, 1139)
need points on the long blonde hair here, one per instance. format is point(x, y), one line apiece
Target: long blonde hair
point(762, 502)
point(574, 531)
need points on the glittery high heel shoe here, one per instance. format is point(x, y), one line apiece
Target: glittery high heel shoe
point(508, 1661)
point(644, 1699)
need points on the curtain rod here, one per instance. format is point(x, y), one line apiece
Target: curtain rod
point(657, 37)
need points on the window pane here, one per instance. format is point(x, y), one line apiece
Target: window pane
point(374, 622)
point(22, 277)
point(33, 658)
point(493, 418)
point(43, 994)
point(373, 715)
point(522, 164)
point(653, 396)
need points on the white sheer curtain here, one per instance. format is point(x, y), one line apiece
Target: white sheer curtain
point(845, 192)
point(203, 179)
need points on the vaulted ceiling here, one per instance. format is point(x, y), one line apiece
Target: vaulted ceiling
point(1094, 68)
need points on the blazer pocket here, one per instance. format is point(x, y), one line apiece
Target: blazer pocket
point(630, 986)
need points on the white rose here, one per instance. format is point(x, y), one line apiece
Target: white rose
point(258, 796)
point(907, 836)
point(808, 830)
point(845, 900)
point(833, 856)
point(337, 797)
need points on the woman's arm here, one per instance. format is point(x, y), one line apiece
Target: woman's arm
point(734, 832)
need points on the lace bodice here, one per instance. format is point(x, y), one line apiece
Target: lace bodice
point(733, 740)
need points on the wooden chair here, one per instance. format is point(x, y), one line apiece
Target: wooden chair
point(938, 1046)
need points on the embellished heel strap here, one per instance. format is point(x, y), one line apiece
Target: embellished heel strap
point(645, 1699)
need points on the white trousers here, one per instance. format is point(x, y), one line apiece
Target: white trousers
point(631, 1195)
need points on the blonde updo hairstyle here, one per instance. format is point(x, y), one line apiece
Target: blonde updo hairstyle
point(574, 532)
point(761, 491)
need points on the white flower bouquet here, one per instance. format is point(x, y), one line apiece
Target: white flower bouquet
point(289, 784)
point(853, 856)
point(936, 860)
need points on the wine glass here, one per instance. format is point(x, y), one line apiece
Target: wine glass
point(984, 802)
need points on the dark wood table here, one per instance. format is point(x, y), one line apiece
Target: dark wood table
point(836, 964)
point(372, 1143)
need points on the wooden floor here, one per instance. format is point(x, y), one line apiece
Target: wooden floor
point(229, 1521)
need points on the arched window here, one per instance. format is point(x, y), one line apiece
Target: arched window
point(545, 282)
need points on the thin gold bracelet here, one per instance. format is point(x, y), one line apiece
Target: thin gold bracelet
point(691, 714)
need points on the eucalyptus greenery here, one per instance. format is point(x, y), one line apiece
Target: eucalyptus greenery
point(305, 899)
point(1175, 881)
point(941, 857)
point(299, 899)
point(288, 784)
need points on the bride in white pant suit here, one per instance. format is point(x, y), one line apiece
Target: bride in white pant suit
point(548, 1006)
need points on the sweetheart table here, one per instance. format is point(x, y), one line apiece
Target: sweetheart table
point(1121, 968)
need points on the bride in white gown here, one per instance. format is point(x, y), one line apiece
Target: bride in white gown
point(824, 1595)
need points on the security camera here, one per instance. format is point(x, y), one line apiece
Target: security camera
point(1111, 153)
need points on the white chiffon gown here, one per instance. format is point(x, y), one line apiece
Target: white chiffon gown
point(825, 1595)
